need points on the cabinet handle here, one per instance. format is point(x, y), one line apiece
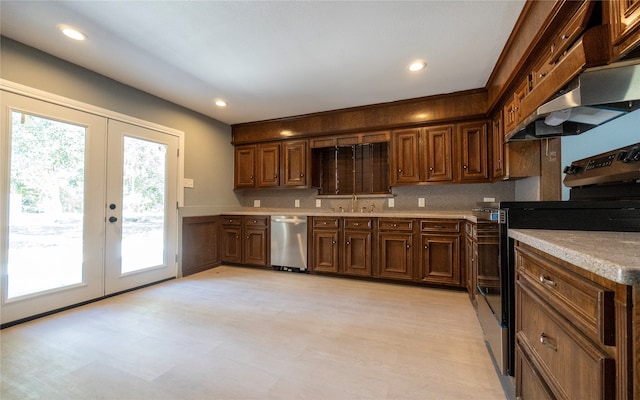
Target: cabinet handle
point(275, 176)
point(464, 167)
point(408, 246)
point(547, 281)
point(545, 341)
point(301, 175)
point(564, 37)
point(431, 169)
point(399, 170)
point(426, 247)
point(334, 242)
point(247, 236)
point(348, 243)
point(356, 224)
point(542, 75)
point(251, 177)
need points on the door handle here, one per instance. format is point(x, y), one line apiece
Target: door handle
point(112, 219)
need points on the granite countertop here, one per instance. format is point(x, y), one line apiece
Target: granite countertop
point(612, 255)
point(461, 214)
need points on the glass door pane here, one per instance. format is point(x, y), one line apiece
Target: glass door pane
point(143, 204)
point(52, 218)
point(141, 232)
point(46, 204)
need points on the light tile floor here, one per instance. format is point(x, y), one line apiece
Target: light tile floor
point(241, 333)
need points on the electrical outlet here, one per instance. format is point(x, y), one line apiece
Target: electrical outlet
point(421, 202)
point(296, 203)
point(489, 199)
point(392, 203)
point(256, 203)
point(188, 183)
point(318, 203)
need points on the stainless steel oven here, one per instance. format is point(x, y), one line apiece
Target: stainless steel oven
point(605, 196)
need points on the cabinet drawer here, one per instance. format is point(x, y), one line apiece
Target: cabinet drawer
point(231, 220)
point(568, 361)
point(326, 222)
point(590, 305)
point(440, 225)
point(529, 385)
point(395, 224)
point(358, 223)
point(254, 220)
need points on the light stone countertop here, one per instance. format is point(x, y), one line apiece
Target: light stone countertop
point(612, 255)
point(460, 214)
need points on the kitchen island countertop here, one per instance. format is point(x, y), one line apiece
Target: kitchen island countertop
point(612, 255)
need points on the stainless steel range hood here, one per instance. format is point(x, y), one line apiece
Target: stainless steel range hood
point(598, 95)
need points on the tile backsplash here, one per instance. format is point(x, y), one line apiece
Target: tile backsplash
point(405, 198)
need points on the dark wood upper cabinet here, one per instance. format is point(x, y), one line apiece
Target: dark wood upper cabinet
point(474, 164)
point(497, 147)
point(624, 24)
point(245, 166)
point(405, 161)
point(296, 165)
point(269, 165)
point(439, 160)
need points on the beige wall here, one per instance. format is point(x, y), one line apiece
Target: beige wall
point(208, 150)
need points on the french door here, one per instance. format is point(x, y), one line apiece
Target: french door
point(88, 206)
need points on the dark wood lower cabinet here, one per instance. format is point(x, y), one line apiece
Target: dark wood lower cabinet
point(325, 251)
point(440, 259)
point(396, 255)
point(357, 253)
point(246, 240)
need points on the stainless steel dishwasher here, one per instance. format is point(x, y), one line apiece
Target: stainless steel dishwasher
point(289, 242)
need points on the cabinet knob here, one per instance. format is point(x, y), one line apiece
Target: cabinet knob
point(426, 247)
point(348, 243)
point(301, 175)
point(542, 75)
point(237, 236)
point(251, 177)
point(408, 246)
point(564, 37)
point(431, 169)
point(275, 176)
point(464, 167)
point(255, 222)
point(399, 170)
point(247, 236)
point(334, 242)
point(356, 224)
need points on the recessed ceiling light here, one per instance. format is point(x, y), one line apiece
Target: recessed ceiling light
point(72, 33)
point(221, 103)
point(417, 66)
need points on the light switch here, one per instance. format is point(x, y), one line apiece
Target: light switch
point(318, 203)
point(188, 183)
point(421, 202)
point(296, 203)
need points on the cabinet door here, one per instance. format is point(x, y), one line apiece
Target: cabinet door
point(295, 163)
point(357, 253)
point(440, 259)
point(255, 246)
point(472, 280)
point(396, 255)
point(439, 162)
point(245, 168)
point(232, 244)
point(268, 165)
point(474, 143)
point(405, 162)
point(497, 148)
point(624, 22)
point(325, 251)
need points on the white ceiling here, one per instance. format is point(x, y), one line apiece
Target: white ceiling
point(271, 59)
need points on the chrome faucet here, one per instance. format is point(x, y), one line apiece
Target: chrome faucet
point(354, 200)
